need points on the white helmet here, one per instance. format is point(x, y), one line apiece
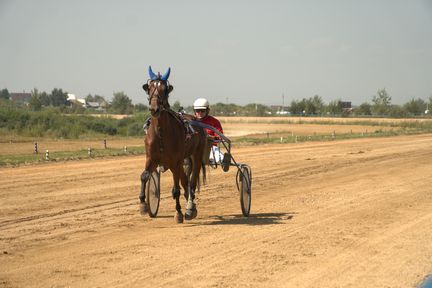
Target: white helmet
point(201, 103)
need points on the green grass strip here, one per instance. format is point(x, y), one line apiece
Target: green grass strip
point(15, 160)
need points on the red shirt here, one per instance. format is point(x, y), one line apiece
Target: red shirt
point(210, 120)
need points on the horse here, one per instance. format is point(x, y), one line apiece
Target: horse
point(168, 144)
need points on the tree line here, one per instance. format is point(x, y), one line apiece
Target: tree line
point(120, 104)
point(380, 105)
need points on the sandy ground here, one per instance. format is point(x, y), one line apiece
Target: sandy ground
point(353, 213)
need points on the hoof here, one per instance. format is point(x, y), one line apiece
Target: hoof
point(178, 217)
point(144, 208)
point(191, 214)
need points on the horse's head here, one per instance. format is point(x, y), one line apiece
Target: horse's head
point(158, 89)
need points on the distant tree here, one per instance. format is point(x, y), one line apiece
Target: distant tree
point(224, 109)
point(254, 109)
point(35, 103)
point(314, 105)
point(429, 106)
point(45, 99)
point(4, 94)
point(58, 97)
point(297, 107)
point(140, 107)
point(397, 111)
point(89, 98)
point(415, 106)
point(364, 109)
point(121, 103)
point(262, 110)
point(309, 107)
point(381, 103)
point(176, 106)
point(335, 107)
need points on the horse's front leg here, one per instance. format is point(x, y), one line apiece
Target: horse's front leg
point(145, 175)
point(176, 192)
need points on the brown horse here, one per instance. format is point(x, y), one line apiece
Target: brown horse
point(167, 144)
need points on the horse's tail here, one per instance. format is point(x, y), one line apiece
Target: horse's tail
point(204, 177)
point(204, 174)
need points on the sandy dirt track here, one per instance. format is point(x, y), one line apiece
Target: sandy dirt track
point(353, 213)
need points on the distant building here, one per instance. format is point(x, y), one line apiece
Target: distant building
point(346, 104)
point(280, 110)
point(346, 107)
point(23, 98)
point(73, 99)
point(93, 105)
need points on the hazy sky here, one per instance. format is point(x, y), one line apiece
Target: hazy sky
point(251, 51)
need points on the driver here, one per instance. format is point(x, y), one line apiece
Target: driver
point(201, 110)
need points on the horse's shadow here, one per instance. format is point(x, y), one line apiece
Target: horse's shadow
point(253, 219)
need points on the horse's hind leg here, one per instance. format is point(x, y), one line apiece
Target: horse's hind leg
point(187, 168)
point(191, 210)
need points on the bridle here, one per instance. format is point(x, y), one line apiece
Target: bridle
point(162, 99)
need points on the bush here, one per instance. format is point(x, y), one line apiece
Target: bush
point(50, 122)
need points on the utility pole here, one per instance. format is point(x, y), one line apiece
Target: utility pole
point(283, 101)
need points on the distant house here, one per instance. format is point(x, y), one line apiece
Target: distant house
point(93, 105)
point(82, 102)
point(73, 99)
point(280, 110)
point(346, 107)
point(23, 98)
point(346, 104)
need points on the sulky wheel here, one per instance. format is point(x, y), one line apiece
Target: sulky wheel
point(153, 193)
point(245, 188)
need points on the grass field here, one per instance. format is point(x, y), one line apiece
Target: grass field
point(15, 150)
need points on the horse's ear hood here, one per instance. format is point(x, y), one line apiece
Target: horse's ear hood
point(166, 75)
point(152, 75)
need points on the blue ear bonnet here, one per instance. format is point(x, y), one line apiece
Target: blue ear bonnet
point(153, 76)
